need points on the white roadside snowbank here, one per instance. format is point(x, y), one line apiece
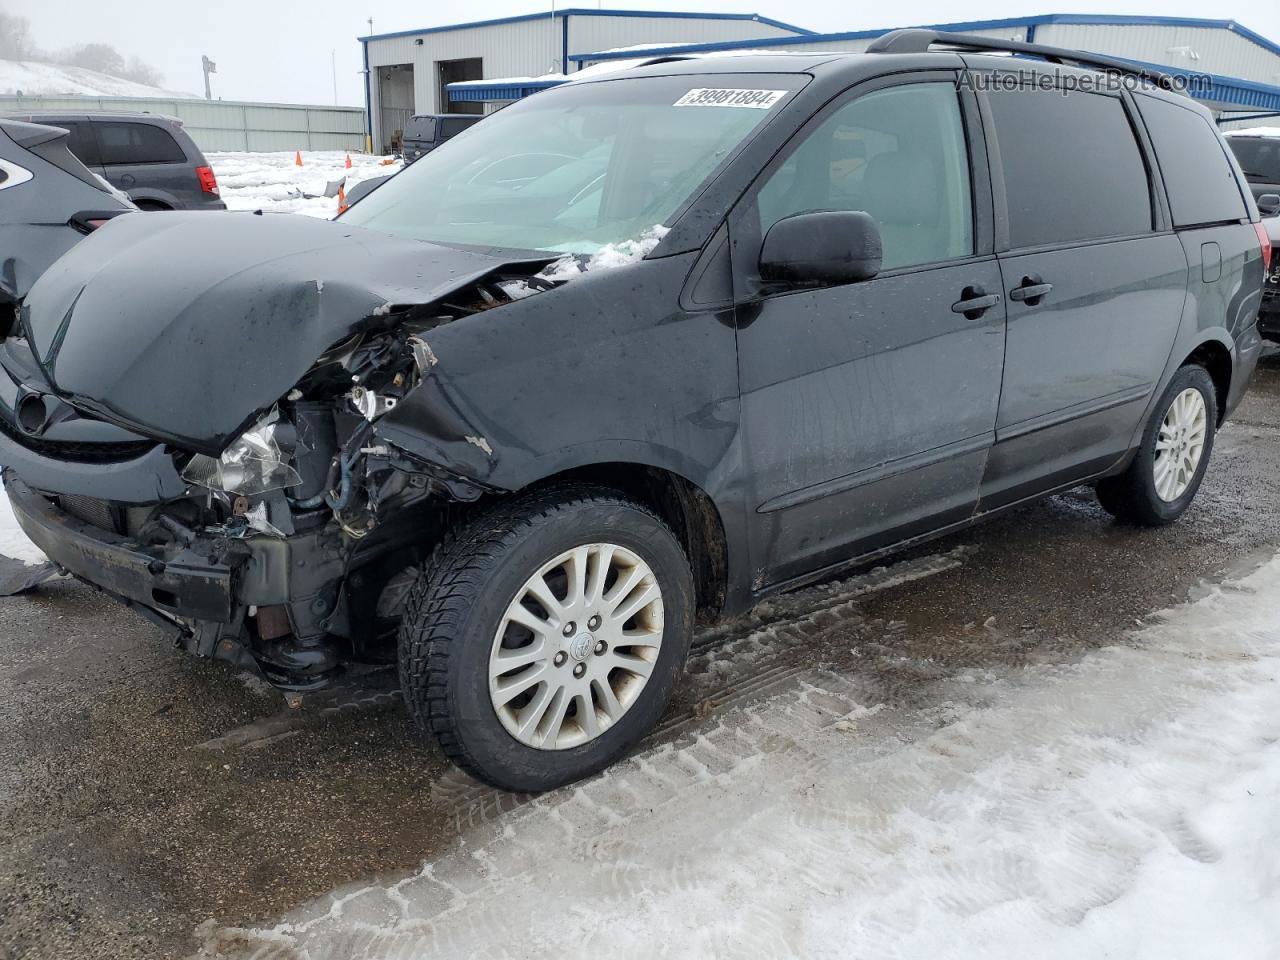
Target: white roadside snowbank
point(271, 182)
point(33, 78)
point(1120, 806)
point(13, 542)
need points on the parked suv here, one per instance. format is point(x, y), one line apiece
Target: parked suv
point(49, 201)
point(772, 316)
point(424, 132)
point(147, 156)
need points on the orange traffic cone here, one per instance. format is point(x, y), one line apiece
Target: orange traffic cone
point(348, 161)
point(342, 200)
point(297, 158)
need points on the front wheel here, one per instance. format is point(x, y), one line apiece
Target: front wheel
point(545, 638)
point(1163, 479)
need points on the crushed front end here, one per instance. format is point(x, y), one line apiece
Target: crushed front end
point(268, 544)
point(253, 556)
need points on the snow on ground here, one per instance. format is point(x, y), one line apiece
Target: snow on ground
point(33, 78)
point(273, 183)
point(1119, 806)
point(13, 542)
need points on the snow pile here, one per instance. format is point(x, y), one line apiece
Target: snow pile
point(1119, 806)
point(609, 256)
point(14, 544)
point(35, 79)
point(273, 183)
point(1254, 132)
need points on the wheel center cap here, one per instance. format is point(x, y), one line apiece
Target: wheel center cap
point(580, 647)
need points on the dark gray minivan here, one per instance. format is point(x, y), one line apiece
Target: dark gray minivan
point(772, 316)
point(147, 156)
point(425, 132)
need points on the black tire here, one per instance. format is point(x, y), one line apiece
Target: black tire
point(456, 606)
point(1131, 496)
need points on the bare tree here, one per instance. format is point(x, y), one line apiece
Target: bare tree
point(95, 56)
point(15, 38)
point(141, 72)
point(16, 43)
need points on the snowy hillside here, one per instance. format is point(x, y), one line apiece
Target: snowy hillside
point(51, 79)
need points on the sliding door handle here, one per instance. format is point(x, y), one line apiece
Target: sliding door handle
point(1032, 290)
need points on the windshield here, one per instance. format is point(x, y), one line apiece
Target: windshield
point(577, 168)
point(1259, 157)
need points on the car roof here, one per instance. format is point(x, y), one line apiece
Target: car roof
point(831, 62)
point(98, 115)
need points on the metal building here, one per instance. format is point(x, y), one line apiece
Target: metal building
point(408, 72)
point(1233, 70)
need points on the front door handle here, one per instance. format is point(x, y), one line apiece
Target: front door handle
point(1032, 290)
point(974, 302)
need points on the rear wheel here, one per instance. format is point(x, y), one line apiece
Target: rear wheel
point(1163, 479)
point(545, 638)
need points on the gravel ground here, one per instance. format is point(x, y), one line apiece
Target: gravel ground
point(143, 792)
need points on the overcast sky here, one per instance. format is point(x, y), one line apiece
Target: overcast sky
point(283, 50)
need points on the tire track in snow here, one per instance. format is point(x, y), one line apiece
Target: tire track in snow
point(1057, 811)
point(732, 664)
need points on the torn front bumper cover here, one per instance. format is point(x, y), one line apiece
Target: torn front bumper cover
point(211, 591)
point(185, 586)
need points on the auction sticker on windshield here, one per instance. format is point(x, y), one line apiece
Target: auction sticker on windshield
point(709, 97)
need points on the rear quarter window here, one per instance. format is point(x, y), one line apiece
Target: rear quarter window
point(81, 142)
point(123, 142)
point(420, 128)
point(1197, 174)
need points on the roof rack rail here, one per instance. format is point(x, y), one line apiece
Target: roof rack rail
point(920, 39)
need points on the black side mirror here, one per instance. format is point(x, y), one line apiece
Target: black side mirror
point(822, 247)
point(1269, 204)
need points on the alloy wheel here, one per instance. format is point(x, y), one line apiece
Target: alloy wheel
point(1180, 444)
point(576, 646)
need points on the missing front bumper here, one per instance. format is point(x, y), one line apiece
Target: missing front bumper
point(184, 585)
point(208, 589)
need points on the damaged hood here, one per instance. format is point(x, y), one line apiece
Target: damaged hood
point(186, 326)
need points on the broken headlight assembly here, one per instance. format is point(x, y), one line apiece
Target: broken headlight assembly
point(253, 463)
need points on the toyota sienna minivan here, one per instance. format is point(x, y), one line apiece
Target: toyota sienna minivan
point(765, 318)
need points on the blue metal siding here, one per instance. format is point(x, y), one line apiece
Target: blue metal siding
point(585, 11)
point(965, 26)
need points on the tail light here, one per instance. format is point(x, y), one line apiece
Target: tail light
point(1265, 239)
point(208, 182)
